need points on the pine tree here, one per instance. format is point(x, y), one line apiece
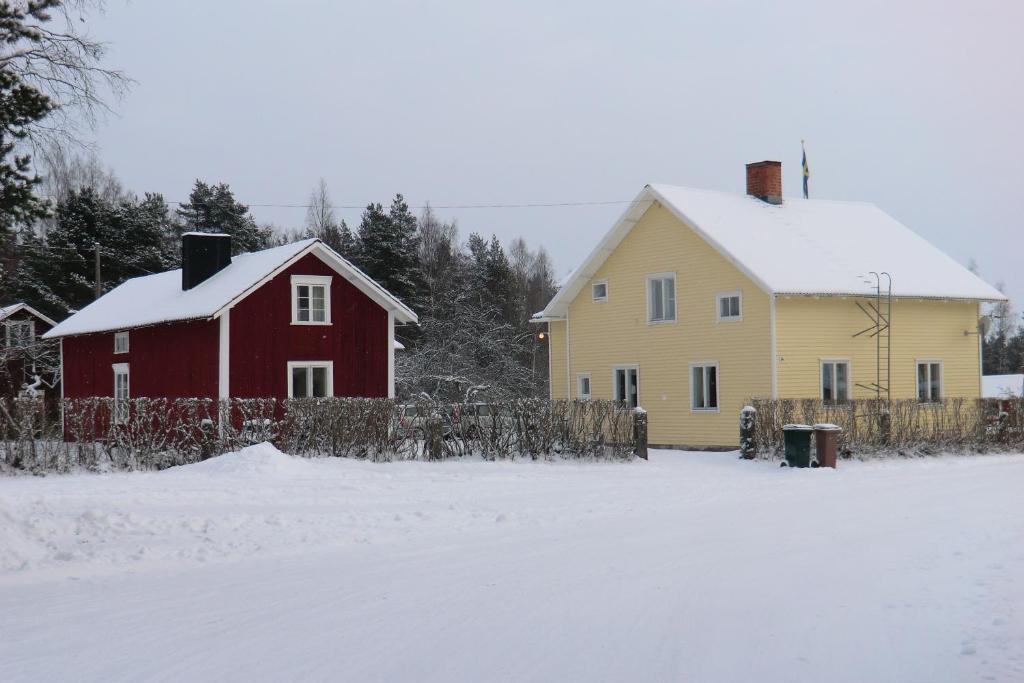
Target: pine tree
point(21, 106)
point(213, 208)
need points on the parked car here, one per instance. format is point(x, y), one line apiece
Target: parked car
point(412, 421)
point(472, 420)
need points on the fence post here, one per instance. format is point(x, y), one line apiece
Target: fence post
point(640, 431)
point(748, 428)
point(434, 444)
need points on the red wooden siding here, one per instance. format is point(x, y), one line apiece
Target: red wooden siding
point(263, 339)
point(177, 360)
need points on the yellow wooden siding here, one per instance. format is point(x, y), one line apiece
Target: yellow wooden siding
point(810, 329)
point(616, 332)
point(556, 350)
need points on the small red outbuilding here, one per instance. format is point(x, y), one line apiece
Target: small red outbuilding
point(291, 321)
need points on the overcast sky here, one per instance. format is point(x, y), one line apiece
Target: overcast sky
point(914, 106)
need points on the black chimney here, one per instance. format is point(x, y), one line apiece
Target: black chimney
point(203, 254)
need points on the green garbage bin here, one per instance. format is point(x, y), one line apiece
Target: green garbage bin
point(798, 444)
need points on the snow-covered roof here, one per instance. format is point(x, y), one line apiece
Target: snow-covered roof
point(8, 311)
point(159, 298)
point(798, 247)
point(1002, 386)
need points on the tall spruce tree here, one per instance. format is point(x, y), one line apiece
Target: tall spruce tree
point(388, 249)
point(213, 208)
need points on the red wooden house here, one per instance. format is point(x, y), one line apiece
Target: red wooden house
point(24, 361)
point(292, 321)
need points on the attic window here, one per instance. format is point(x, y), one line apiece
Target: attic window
point(729, 306)
point(311, 299)
point(20, 332)
point(120, 342)
point(599, 290)
point(661, 298)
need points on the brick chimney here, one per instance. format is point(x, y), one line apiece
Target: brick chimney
point(764, 181)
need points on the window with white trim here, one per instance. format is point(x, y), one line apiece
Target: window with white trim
point(929, 381)
point(599, 290)
point(311, 299)
point(583, 386)
point(661, 298)
point(704, 386)
point(20, 332)
point(626, 385)
point(121, 392)
point(120, 342)
point(310, 379)
point(835, 381)
point(729, 306)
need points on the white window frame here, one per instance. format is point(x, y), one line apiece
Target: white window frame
point(918, 362)
point(615, 380)
point(120, 412)
point(593, 295)
point(580, 394)
point(675, 298)
point(309, 364)
point(821, 377)
point(718, 306)
point(10, 324)
point(121, 336)
point(311, 281)
point(704, 379)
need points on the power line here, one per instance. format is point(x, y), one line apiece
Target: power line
point(522, 205)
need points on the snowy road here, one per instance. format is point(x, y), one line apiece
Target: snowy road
point(692, 567)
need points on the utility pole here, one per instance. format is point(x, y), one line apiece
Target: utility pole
point(99, 281)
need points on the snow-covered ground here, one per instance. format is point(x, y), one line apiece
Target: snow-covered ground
point(690, 567)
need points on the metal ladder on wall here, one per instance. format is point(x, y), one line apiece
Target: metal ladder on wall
point(880, 314)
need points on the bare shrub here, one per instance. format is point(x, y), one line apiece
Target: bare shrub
point(903, 426)
point(153, 434)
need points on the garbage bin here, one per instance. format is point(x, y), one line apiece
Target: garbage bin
point(798, 444)
point(826, 444)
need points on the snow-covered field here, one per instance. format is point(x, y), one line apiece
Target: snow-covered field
point(690, 567)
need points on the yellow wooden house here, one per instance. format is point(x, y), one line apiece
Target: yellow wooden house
point(697, 301)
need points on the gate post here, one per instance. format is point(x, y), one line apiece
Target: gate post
point(748, 430)
point(640, 431)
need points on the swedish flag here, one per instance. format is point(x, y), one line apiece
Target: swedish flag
point(807, 169)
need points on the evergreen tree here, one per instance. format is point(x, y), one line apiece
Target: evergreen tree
point(21, 106)
point(213, 208)
point(388, 249)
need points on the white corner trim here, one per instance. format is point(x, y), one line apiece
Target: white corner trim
point(568, 359)
point(551, 374)
point(62, 385)
point(224, 356)
point(775, 353)
point(391, 354)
